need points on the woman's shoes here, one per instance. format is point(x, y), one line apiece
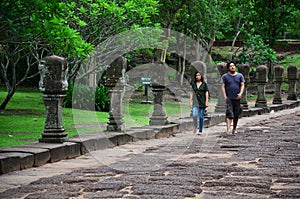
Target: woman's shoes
point(195, 130)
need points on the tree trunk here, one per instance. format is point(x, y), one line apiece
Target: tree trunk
point(238, 31)
point(198, 49)
point(168, 31)
point(184, 58)
point(178, 69)
point(9, 95)
point(206, 54)
point(178, 65)
point(164, 51)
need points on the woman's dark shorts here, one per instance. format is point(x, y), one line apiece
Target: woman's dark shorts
point(233, 109)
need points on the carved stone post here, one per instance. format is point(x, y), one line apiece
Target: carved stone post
point(158, 84)
point(278, 81)
point(53, 84)
point(220, 107)
point(116, 82)
point(292, 78)
point(261, 79)
point(245, 69)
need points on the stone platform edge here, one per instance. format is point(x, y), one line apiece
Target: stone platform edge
point(37, 154)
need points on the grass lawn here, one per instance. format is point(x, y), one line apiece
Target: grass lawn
point(289, 60)
point(23, 120)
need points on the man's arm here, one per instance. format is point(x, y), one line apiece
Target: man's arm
point(223, 91)
point(239, 96)
point(206, 98)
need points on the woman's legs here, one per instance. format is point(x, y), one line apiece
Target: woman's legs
point(201, 119)
point(195, 115)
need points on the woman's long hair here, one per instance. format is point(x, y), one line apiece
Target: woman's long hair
point(202, 80)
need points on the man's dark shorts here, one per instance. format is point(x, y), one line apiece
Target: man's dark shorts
point(233, 109)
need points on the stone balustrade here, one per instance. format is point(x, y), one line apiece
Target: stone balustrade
point(53, 84)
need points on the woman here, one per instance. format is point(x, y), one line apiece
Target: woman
point(198, 101)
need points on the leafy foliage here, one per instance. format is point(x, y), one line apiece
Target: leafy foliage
point(94, 99)
point(33, 29)
point(274, 19)
point(102, 100)
point(256, 52)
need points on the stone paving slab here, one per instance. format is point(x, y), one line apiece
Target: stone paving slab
point(142, 133)
point(92, 142)
point(41, 156)
point(48, 153)
point(261, 161)
point(13, 161)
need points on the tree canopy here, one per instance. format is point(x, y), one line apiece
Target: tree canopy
point(33, 29)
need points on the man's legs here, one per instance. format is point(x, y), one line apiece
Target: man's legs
point(235, 122)
point(229, 114)
point(228, 124)
point(236, 112)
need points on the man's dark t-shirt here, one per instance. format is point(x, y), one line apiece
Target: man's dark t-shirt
point(232, 84)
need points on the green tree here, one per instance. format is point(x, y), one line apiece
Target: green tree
point(103, 19)
point(273, 19)
point(255, 52)
point(30, 30)
point(33, 29)
point(200, 20)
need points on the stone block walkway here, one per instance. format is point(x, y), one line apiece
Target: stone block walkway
point(261, 161)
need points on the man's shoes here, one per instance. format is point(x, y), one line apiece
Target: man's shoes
point(199, 133)
point(234, 132)
point(224, 134)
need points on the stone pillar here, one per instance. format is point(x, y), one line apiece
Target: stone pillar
point(53, 84)
point(115, 83)
point(159, 80)
point(261, 80)
point(220, 107)
point(245, 69)
point(292, 78)
point(278, 81)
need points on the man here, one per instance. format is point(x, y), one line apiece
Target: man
point(233, 85)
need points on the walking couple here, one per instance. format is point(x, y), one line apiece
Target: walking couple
point(232, 90)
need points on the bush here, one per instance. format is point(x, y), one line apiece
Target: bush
point(100, 100)
point(256, 52)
